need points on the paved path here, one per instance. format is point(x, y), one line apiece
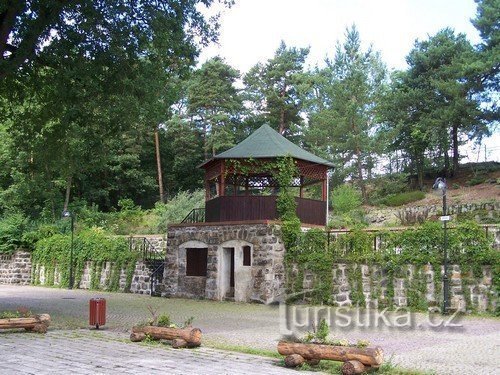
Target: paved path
point(472, 348)
point(90, 352)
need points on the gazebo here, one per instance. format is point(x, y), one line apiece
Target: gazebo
point(240, 185)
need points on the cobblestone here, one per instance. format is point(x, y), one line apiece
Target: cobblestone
point(472, 348)
point(90, 352)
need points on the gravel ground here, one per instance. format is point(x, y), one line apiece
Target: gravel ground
point(471, 348)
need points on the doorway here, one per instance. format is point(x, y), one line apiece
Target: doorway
point(228, 273)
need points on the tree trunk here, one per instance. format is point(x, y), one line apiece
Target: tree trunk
point(294, 360)
point(282, 122)
point(205, 139)
point(192, 336)
point(367, 356)
point(352, 368)
point(37, 323)
point(454, 133)
point(419, 164)
point(158, 165)
point(446, 163)
point(68, 193)
point(359, 164)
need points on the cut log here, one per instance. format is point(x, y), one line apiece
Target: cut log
point(37, 323)
point(367, 356)
point(352, 368)
point(192, 336)
point(313, 362)
point(294, 360)
point(179, 343)
point(136, 337)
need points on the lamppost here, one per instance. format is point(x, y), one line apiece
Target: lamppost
point(66, 214)
point(440, 184)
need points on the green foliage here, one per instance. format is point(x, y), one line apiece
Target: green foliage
point(319, 334)
point(9, 314)
point(345, 198)
point(323, 331)
point(215, 104)
point(383, 186)
point(395, 200)
point(177, 208)
point(12, 227)
point(89, 245)
point(273, 90)
point(475, 181)
point(163, 321)
point(345, 99)
point(468, 246)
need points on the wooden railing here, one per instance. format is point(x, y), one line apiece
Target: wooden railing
point(248, 208)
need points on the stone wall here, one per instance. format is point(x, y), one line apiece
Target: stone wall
point(139, 283)
point(15, 268)
point(262, 281)
point(379, 216)
point(467, 293)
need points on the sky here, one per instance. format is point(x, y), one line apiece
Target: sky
point(251, 30)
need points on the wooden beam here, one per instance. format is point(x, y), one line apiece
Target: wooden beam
point(222, 178)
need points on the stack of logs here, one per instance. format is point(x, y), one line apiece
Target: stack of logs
point(356, 360)
point(187, 337)
point(36, 323)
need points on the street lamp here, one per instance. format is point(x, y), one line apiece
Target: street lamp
point(440, 185)
point(66, 214)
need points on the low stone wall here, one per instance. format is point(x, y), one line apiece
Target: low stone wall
point(139, 282)
point(15, 268)
point(410, 286)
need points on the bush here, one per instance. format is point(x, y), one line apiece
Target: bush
point(178, 207)
point(387, 185)
point(12, 228)
point(345, 198)
point(395, 200)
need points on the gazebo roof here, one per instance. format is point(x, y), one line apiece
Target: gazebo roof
point(266, 142)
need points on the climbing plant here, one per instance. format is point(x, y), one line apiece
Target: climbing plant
point(90, 245)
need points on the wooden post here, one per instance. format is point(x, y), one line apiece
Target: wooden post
point(301, 189)
point(222, 178)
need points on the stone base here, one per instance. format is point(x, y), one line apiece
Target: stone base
point(257, 268)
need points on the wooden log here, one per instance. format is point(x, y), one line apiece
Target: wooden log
point(191, 335)
point(353, 367)
point(179, 343)
point(136, 337)
point(367, 356)
point(312, 362)
point(33, 323)
point(294, 360)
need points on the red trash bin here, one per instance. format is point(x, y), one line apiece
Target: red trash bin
point(97, 312)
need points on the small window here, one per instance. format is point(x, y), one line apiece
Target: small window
point(246, 256)
point(196, 262)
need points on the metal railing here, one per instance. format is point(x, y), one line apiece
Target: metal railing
point(196, 215)
point(148, 251)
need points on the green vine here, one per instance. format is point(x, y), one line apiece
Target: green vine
point(90, 245)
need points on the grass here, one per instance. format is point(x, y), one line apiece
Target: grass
point(395, 200)
point(242, 349)
point(329, 367)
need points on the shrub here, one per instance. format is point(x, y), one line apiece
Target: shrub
point(401, 199)
point(164, 321)
point(12, 227)
point(387, 185)
point(345, 198)
point(178, 207)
